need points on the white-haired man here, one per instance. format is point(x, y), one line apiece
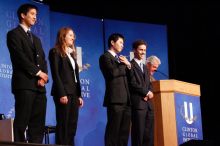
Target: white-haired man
point(152, 63)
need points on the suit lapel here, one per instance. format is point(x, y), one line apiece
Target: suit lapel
point(70, 64)
point(112, 57)
point(145, 73)
point(138, 70)
point(137, 67)
point(25, 36)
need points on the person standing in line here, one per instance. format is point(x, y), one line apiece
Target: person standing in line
point(142, 131)
point(117, 96)
point(66, 90)
point(29, 77)
point(152, 63)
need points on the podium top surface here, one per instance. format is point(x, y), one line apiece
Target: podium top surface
point(176, 86)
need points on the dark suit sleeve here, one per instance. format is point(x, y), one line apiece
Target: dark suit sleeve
point(134, 85)
point(111, 67)
point(44, 62)
point(18, 56)
point(54, 60)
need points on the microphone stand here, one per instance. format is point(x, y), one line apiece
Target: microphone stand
point(165, 75)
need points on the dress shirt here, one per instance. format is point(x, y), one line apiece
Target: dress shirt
point(69, 50)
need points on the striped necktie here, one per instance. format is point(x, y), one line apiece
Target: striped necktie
point(117, 58)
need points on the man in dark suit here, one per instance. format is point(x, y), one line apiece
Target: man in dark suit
point(117, 96)
point(29, 77)
point(141, 95)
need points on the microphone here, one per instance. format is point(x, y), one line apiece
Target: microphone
point(2, 116)
point(165, 75)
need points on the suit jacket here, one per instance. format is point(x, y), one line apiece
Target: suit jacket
point(115, 74)
point(27, 60)
point(63, 76)
point(140, 85)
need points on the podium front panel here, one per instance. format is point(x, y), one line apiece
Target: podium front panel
point(188, 117)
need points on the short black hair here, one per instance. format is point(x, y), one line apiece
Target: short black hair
point(114, 37)
point(24, 9)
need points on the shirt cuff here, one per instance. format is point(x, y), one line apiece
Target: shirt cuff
point(38, 73)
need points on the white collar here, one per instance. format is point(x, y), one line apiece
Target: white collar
point(25, 27)
point(112, 52)
point(138, 61)
point(69, 50)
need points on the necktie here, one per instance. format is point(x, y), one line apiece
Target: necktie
point(30, 35)
point(141, 66)
point(116, 57)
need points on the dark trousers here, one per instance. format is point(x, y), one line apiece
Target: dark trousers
point(142, 131)
point(118, 125)
point(67, 118)
point(30, 112)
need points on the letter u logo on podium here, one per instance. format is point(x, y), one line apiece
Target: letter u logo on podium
point(188, 116)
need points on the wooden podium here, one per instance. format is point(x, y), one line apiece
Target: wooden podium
point(6, 130)
point(164, 106)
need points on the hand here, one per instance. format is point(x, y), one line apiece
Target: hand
point(124, 60)
point(146, 98)
point(64, 100)
point(41, 82)
point(43, 76)
point(81, 103)
point(150, 95)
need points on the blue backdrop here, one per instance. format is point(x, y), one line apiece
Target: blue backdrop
point(90, 45)
point(154, 35)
